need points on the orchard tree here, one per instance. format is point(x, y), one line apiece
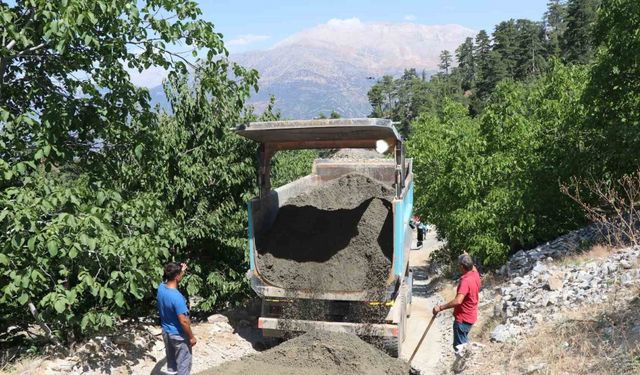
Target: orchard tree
point(97, 191)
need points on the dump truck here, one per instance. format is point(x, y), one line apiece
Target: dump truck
point(395, 171)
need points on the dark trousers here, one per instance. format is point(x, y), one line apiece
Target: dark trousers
point(460, 333)
point(178, 352)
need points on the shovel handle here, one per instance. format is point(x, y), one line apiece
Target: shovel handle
point(422, 338)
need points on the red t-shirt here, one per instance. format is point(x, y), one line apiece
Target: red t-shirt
point(467, 311)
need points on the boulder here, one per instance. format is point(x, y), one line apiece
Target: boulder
point(218, 318)
point(503, 333)
point(554, 282)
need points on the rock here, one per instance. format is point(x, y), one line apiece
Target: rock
point(154, 330)
point(554, 282)
point(625, 264)
point(63, 366)
point(218, 318)
point(539, 268)
point(626, 279)
point(502, 333)
point(532, 369)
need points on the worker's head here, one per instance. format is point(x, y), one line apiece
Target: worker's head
point(174, 271)
point(466, 262)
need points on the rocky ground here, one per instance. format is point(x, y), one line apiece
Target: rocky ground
point(139, 349)
point(570, 315)
point(561, 308)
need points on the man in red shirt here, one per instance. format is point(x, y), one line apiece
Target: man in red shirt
point(465, 304)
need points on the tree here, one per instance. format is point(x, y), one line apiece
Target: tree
point(445, 61)
point(482, 58)
point(613, 93)
point(490, 183)
point(466, 64)
point(555, 24)
point(577, 40)
point(382, 97)
point(506, 46)
point(334, 115)
point(96, 189)
point(531, 52)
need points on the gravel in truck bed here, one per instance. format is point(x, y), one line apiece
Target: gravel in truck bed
point(336, 237)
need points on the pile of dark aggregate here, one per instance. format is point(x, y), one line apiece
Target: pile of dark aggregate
point(336, 237)
point(317, 353)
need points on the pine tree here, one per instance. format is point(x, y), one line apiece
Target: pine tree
point(505, 43)
point(555, 24)
point(466, 64)
point(445, 61)
point(531, 53)
point(577, 40)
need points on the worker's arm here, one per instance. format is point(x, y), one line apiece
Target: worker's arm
point(449, 305)
point(185, 322)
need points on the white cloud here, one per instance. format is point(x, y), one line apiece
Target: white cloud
point(410, 17)
point(347, 22)
point(247, 39)
point(148, 78)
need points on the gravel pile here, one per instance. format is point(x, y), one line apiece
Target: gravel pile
point(317, 353)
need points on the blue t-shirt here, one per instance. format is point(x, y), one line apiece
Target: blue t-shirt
point(171, 303)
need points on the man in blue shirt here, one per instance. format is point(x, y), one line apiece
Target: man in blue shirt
point(174, 318)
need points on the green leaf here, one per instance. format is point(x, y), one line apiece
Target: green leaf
point(73, 253)
point(101, 197)
point(84, 322)
point(39, 154)
point(53, 248)
point(4, 260)
point(24, 297)
point(60, 305)
point(119, 299)
point(31, 244)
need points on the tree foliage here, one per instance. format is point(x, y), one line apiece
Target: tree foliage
point(613, 93)
point(489, 184)
point(97, 191)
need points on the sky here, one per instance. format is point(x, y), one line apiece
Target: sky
point(258, 24)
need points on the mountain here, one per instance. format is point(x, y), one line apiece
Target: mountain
point(332, 66)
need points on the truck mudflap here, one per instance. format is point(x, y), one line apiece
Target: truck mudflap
point(275, 327)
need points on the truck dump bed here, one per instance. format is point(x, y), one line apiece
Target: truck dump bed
point(393, 173)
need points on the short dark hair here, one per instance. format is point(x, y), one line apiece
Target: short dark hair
point(171, 271)
point(465, 261)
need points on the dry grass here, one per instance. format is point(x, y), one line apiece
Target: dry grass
point(594, 340)
point(598, 251)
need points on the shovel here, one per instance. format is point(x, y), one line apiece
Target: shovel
point(422, 338)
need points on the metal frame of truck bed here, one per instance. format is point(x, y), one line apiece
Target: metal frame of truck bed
point(341, 133)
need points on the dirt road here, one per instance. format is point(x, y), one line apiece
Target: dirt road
point(436, 344)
